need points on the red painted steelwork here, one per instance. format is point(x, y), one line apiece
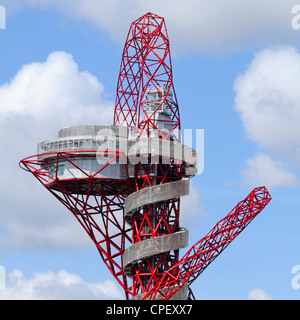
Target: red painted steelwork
point(146, 103)
point(146, 62)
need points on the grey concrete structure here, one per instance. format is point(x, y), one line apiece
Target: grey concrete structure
point(156, 193)
point(92, 147)
point(150, 247)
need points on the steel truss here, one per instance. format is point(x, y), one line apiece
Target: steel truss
point(134, 220)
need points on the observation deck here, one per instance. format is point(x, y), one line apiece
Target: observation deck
point(102, 159)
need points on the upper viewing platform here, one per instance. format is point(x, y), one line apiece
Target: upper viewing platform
point(84, 137)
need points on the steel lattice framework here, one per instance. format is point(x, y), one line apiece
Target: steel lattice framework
point(146, 62)
point(130, 209)
point(201, 254)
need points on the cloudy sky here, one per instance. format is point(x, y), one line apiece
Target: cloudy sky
point(236, 68)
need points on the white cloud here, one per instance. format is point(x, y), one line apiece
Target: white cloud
point(259, 294)
point(268, 101)
point(213, 25)
point(55, 91)
point(42, 98)
point(263, 171)
point(59, 286)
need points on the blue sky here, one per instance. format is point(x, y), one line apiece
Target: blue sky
point(236, 74)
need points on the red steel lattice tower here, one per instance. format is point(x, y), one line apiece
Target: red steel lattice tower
point(145, 84)
point(123, 182)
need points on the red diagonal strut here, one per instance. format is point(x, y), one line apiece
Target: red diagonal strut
point(206, 250)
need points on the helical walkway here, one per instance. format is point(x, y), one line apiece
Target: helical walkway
point(157, 193)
